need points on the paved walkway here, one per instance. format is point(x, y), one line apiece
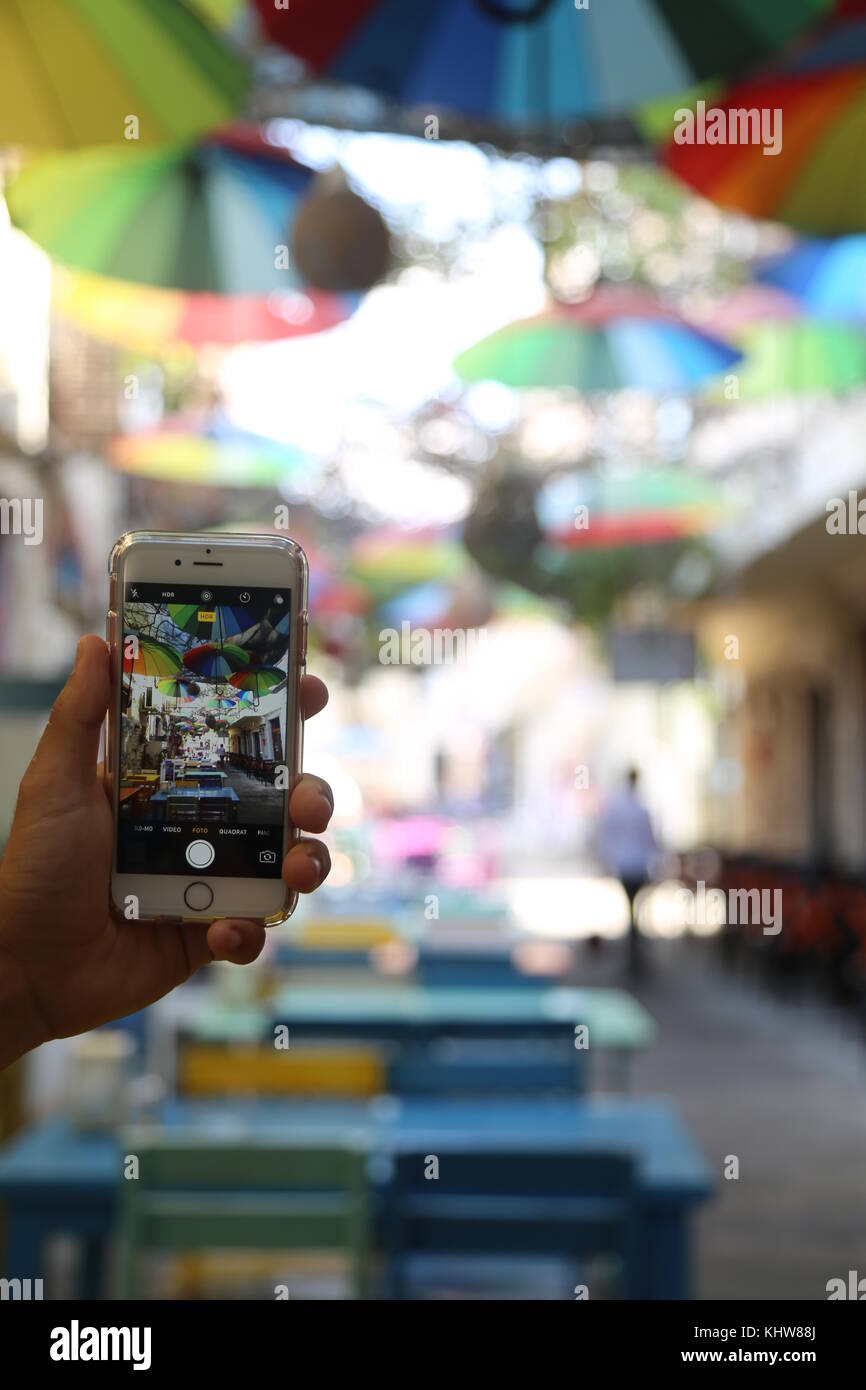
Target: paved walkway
point(781, 1085)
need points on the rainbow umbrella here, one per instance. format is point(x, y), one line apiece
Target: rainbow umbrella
point(216, 454)
point(827, 277)
point(618, 338)
point(812, 182)
point(215, 663)
point(387, 561)
point(585, 510)
point(158, 322)
point(258, 680)
point(532, 60)
point(74, 71)
point(220, 702)
point(153, 658)
point(207, 218)
point(178, 687)
point(800, 355)
point(230, 621)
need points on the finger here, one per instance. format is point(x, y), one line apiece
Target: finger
point(235, 940)
point(314, 696)
point(69, 745)
point(306, 865)
point(311, 804)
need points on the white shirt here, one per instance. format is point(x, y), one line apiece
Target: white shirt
point(625, 840)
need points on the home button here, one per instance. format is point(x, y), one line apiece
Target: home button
point(198, 896)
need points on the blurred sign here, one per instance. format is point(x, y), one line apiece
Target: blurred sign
point(652, 654)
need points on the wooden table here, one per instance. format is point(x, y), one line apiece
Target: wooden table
point(56, 1180)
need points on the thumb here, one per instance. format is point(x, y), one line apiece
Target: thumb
point(69, 746)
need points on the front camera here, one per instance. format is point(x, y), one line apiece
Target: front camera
point(177, 562)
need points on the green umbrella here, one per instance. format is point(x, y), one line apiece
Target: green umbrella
point(795, 356)
point(150, 658)
point(203, 218)
point(621, 337)
point(258, 680)
point(76, 72)
point(177, 687)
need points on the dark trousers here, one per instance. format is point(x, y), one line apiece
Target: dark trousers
point(636, 955)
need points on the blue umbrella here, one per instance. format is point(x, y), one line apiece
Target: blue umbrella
point(519, 60)
point(828, 277)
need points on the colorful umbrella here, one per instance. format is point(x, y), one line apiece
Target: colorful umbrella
point(215, 663)
point(812, 181)
point(214, 454)
point(800, 355)
point(230, 621)
point(387, 561)
point(209, 218)
point(258, 680)
point(828, 277)
point(157, 322)
point(525, 60)
point(151, 658)
point(618, 338)
point(178, 687)
point(588, 511)
point(74, 71)
point(219, 702)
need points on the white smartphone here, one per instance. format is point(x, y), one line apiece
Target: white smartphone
point(208, 638)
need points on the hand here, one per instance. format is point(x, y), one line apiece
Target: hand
point(66, 965)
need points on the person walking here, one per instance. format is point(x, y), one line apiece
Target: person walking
point(627, 847)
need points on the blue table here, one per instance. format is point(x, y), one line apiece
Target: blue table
point(54, 1180)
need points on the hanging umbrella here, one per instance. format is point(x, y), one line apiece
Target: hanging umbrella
point(178, 687)
point(74, 71)
point(207, 218)
point(219, 702)
point(586, 510)
point(215, 663)
point(386, 561)
point(158, 322)
point(215, 454)
point(258, 680)
point(827, 277)
point(814, 181)
point(796, 356)
point(618, 338)
point(153, 658)
point(532, 60)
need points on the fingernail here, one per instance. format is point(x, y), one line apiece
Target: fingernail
point(325, 806)
point(318, 857)
point(235, 940)
point(78, 650)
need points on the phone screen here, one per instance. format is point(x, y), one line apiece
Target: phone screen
point(203, 725)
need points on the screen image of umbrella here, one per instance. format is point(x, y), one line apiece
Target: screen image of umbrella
point(216, 663)
point(178, 688)
point(217, 702)
point(817, 97)
point(144, 656)
point(214, 454)
point(73, 71)
point(616, 339)
point(517, 61)
point(258, 680)
point(208, 218)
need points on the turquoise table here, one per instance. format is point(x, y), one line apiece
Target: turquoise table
point(54, 1180)
point(416, 1016)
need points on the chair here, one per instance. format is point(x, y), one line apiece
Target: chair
point(510, 1201)
point(181, 808)
point(214, 810)
point(204, 1191)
